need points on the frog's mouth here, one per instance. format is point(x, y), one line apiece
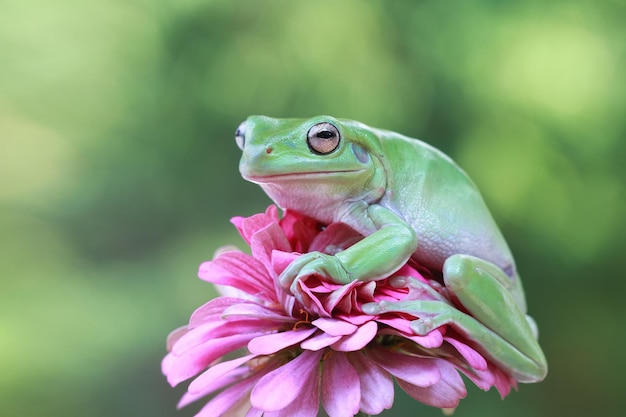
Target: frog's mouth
point(298, 175)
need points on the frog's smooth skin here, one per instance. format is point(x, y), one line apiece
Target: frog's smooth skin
point(409, 200)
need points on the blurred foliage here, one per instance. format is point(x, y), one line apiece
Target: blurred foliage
point(118, 171)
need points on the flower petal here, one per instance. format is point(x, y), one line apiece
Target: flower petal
point(254, 412)
point(343, 298)
point(180, 368)
point(213, 310)
point(341, 390)
point(357, 340)
point(234, 376)
point(354, 318)
point(281, 260)
point(334, 238)
point(266, 240)
point(272, 343)
point(175, 336)
point(305, 405)
point(228, 399)
point(311, 301)
point(334, 327)
point(215, 330)
point(300, 230)
point(376, 385)
point(256, 311)
point(319, 341)
point(482, 379)
point(281, 387)
point(433, 339)
point(248, 226)
point(238, 270)
point(214, 375)
point(503, 382)
point(422, 372)
point(444, 394)
point(473, 358)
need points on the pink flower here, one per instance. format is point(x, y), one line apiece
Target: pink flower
point(259, 350)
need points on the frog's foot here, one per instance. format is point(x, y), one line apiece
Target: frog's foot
point(327, 267)
point(496, 302)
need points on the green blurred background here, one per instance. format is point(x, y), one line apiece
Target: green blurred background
point(118, 171)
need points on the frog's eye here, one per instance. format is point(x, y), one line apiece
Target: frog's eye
point(323, 138)
point(240, 135)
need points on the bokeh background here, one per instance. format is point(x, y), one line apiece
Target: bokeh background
point(118, 171)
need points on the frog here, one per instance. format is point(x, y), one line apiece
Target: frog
point(411, 202)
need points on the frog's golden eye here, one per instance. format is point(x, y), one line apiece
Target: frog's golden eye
point(240, 135)
point(323, 138)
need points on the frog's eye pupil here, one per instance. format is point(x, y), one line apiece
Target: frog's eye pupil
point(323, 138)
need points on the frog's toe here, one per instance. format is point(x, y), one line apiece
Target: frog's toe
point(422, 327)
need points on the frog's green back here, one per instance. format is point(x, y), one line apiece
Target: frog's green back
point(439, 200)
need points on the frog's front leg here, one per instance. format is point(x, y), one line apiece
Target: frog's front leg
point(385, 250)
point(500, 329)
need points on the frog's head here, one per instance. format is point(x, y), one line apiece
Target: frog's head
point(314, 165)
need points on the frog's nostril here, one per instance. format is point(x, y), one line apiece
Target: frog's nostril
point(269, 149)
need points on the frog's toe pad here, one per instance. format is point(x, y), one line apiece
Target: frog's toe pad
point(422, 327)
point(372, 308)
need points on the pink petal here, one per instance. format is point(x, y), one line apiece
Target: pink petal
point(168, 362)
point(399, 323)
point(409, 271)
point(342, 298)
point(281, 260)
point(250, 225)
point(444, 394)
point(272, 212)
point(336, 237)
point(227, 399)
point(215, 373)
point(317, 286)
point(238, 270)
point(473, 358)
point(376, 385)
point(431, 340)
point(366, 291)
point(503, 382)
point(300, 230)
point(305, 405)
point(311, 301)
point(254, 412)
point(319, 341)
point(356, 319)
point(422, 372)
point(213, 310)
point(232, 377)
point(281, 387)
point(215, 330)
point(257, 312)
point(194, 337)
point(180, 368)
point(341, 390)
point(266, 240)
point(272, 343)
point(334, 327)
point(359, 339)
point(175, 336)
point(482, 379)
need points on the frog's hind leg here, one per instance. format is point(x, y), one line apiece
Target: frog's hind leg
point(485, 291)
point(490, 316)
